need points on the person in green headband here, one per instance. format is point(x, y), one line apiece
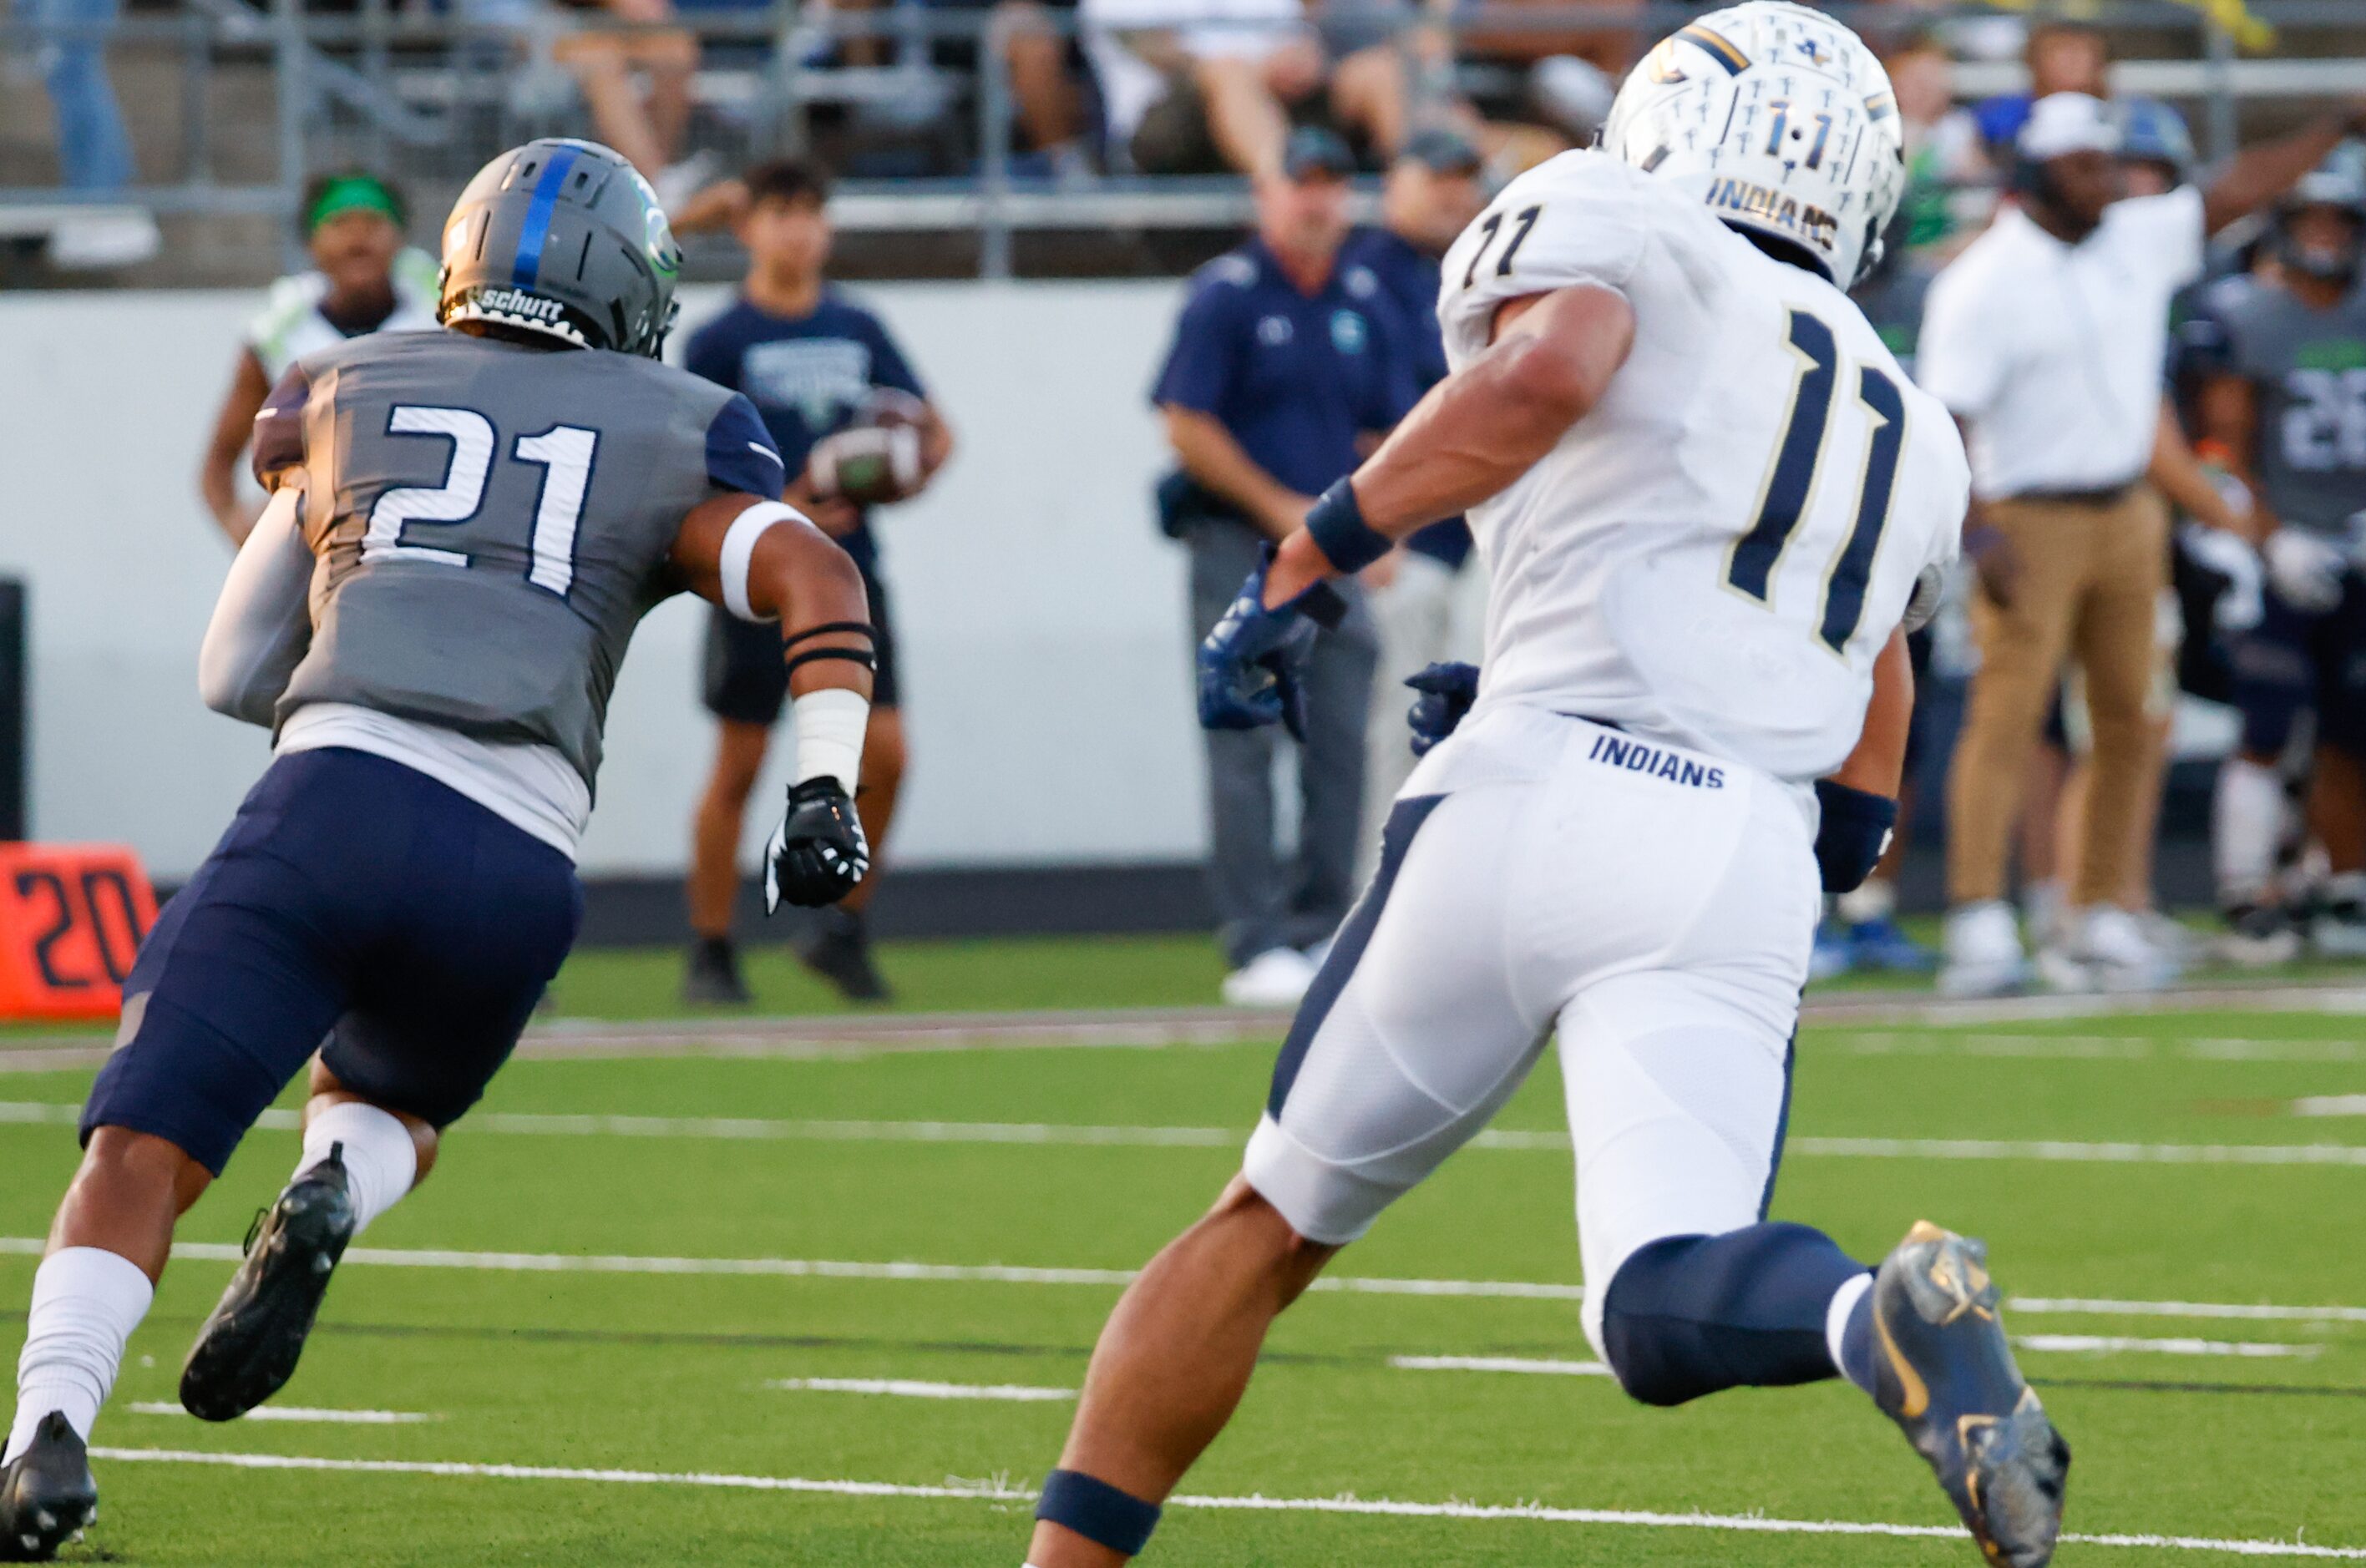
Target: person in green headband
point(363, 279)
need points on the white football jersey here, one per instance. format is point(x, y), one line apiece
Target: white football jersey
point(1717, 552)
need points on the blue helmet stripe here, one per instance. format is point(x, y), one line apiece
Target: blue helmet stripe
point(535, 230)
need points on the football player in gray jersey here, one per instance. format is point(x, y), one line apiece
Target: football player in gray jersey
point(2289, 406)
point(464, 527)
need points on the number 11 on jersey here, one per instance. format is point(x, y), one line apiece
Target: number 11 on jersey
point(1791, 483)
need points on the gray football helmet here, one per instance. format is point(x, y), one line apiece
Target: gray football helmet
point(561, 238)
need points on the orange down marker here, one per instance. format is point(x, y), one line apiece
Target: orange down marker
point(72, 917)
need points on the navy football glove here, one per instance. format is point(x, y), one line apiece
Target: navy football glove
point(817, 853)
point(1447, 693)
point(1249, 666)
point(1852, 836)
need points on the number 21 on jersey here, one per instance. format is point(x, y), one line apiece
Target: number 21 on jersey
point(1791, 482)
point(564, 452)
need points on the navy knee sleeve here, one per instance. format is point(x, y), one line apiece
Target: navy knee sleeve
point(1097, 1511)
point(1692, 1315)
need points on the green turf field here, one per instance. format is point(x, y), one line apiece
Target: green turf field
point(702, 1306)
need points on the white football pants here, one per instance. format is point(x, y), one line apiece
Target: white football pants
point(1653, 905)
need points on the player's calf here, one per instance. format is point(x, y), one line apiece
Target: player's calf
point(1687, 1315)
point(1169, 1370)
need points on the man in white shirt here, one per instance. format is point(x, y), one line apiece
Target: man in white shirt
point(2046, 340)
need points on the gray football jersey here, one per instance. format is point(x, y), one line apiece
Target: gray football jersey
point(2309, 368)
point(492, 520)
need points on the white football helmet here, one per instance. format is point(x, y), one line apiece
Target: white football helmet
point(1781, 120)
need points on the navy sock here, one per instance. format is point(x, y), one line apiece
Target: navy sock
point(1692, 1315)
point(1097, 1511)
point(1856, 1344)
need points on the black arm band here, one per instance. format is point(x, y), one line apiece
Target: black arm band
point(1336, 524)
point(851, 628)
point(862, 657)
point(1852, 835)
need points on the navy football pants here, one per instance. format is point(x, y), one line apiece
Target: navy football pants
point(357, 908)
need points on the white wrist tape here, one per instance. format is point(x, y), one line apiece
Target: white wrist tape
point(829, 725)
point(739, 548)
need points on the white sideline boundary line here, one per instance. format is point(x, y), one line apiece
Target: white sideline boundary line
point(2092, 1047)
point(913, 1388)
point(1051, 1134)
point(299, 1413)
point(1002, 1273)
point(1385, 1507)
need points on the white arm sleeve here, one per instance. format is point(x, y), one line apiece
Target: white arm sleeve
point(262, 625)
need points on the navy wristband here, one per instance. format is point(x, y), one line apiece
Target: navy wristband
point(1852, 835)
point(1097, 1511)
point(1339, 531)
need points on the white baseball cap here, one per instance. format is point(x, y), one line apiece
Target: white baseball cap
point(2066, 123)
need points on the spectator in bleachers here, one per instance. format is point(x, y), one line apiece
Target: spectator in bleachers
point(649, 127)
point(2062, 57)
point(363, 279)
point(1199, 86)
point(1949, 193)
point(1421, 610)
point(1288, 361)
point(94, 151)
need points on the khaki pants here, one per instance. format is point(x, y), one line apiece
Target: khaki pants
point(2091, 578)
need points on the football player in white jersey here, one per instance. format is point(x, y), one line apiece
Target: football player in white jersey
point(1707, 499)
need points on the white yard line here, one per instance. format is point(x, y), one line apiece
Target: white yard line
point(299, 1413)
point(1383, 1507)
point(2090, 1048)
point(2330, 1106)
point(2115, 1344)
point(1499, 1364)
point(999, 1273)
point(1054, 1134)
point(909, 1388)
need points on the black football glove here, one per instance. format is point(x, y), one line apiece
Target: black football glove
point(818, 855)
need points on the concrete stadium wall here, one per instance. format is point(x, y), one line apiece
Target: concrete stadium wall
point(1043, 616)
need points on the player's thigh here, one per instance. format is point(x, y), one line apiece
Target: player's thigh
point(1412, 1037)
point(1679, 1088)
point(745, 679)
point(2338, 656)
point(2275, 674)
point(887, 675)
point(488, 913)
point(245, 970)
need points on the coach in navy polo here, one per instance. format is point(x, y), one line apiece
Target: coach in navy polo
point(1288, 361)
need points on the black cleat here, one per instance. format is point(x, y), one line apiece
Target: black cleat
point(710, 976)
point(47, 1497)
point(247, 1349)
point(838, 947)
point(1945, 1372)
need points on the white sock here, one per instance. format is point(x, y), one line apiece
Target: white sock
point(1871, 900)
point(86, 1302)
point(2247, 821)
point(381, 1162)
point(1836, 1316)
point(2042, 908)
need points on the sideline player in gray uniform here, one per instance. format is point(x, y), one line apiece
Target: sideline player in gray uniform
point(2290, 408)
point(464, 527)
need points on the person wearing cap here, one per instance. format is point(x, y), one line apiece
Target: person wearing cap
point(363, 279)
point(1433, 191)
point(2046, 339)
point(1287, 360)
